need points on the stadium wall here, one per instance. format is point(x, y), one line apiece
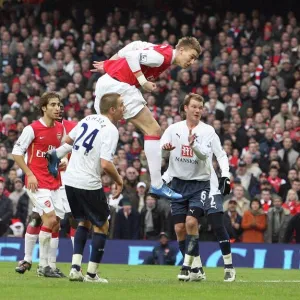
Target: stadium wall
point(283, 256)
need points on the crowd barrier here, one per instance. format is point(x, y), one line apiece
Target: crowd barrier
point(284, 256)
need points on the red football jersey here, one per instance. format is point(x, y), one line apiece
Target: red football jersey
point(69, 125)
point(120, 69)
point(45, 139)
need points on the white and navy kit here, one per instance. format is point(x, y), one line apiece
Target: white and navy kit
point(191, 176)
point(95, 138)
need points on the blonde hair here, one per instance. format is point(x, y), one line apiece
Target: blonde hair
point(107, 101)
point(289, 194)
point(189, 42)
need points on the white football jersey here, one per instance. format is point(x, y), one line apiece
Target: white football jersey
point(95, 137)
point(183, 162)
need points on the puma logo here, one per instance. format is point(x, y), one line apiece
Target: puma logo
point(178, 135)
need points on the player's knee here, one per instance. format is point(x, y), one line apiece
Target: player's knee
point(51, 221)
point(86, 224)
point(35, 220)
point(56, 227)
point(103, 229)
point(180, 229)
point(191, 224)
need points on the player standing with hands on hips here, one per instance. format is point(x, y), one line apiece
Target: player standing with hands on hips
point(192, 144)
point(134, 66)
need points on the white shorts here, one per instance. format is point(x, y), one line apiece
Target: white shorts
point(45, 201)
point(133, 99)
point(63, 196)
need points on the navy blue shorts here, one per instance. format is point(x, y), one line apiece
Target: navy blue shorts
point(88, 205)
point(195, 195)
point(214, 204)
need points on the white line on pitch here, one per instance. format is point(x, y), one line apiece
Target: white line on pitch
point(266, 281)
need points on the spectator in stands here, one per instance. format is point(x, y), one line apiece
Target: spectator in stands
point(16, 194)
point(284, 188)
point(293, 230)
point(130, 184)
point(141, 192)
point(152, 220)
point(254, 223)
point(233, 220)
point(288, 154)
point(278, 219)
point(292, 202)
point(243, 204)
point(126, 225)
point(6, 211)
point(163, 253)
point(266, 200)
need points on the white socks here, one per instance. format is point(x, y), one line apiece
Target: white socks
point(30, 241)
point(154, 157)
point(197, 263)
point(227, 259)
point(76, 259)
point(44, 237)
point(53, 251)
point(92, 268)
point(188, 260)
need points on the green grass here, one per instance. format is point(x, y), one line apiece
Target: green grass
point(150, 282)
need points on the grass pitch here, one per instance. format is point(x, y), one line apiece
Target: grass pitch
point(150, 282)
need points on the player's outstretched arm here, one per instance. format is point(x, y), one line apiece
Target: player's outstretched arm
point(66, 148)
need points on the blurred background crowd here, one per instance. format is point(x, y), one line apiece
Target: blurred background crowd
point(248, 74)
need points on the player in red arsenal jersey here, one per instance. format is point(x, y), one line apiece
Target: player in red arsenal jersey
point(42, 188)
point(136, 65)
point(34, 226)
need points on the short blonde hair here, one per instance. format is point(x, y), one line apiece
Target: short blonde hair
point(107, 101)
point(289, 193)
point(189, 42)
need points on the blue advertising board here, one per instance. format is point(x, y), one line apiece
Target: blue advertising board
point(284, 256)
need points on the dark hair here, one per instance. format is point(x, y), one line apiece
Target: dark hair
point(45, 98)
point(255, 200)
point(107, 101)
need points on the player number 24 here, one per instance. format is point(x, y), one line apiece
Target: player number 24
point(88, 141)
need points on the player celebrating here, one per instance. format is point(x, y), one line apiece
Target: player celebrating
point(94, 142)
point(36, 139)
point(136, 65)
point(190, 169)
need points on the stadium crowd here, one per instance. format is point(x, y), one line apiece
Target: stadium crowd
point(248, 74)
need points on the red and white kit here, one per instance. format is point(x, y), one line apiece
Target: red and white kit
point(36, 139)
point(137, 56)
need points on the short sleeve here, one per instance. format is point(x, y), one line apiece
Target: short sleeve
point(109, 143)
point(73, 133)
